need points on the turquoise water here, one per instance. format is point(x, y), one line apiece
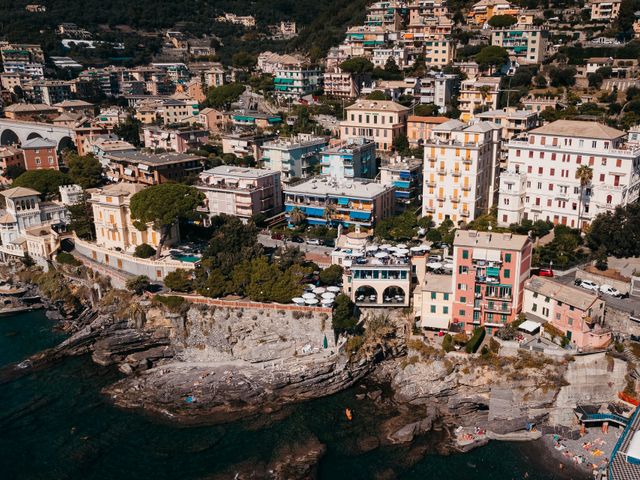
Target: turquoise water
point(55, 424)
point(187, 258)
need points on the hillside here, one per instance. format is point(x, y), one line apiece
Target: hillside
point(321, 23)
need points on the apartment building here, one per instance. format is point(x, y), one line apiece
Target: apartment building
point(437, 50)
point(11, 158)
point(103, 145)
point(51, 92)
point(241, 192)
point(433, 302)
point(40, 153)
point(419, 128)
point(526, 44)
point(245, 144)
point(294, 80)
point(482, 11)
point(381, 55)
point(151, 169)
point(294, 157)
point(26, 70)
point(541, 179)
point(174, 139)
point(405, 176)
point(576, 312)
point(512, 121)
point(112, 219)
point(344, 84)
point(461, 168)
point(386, 14)
point(180, 111)
point(30, 112)
point(438, 88)
point(490, 270)
point(477, 94)
point(355, 158)
point(211, 119)
point(326, 201)
point(604, 10)
point(252, 119)
point(379, 120)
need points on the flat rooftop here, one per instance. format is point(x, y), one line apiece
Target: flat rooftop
point(237, 172)
point(475, 239)
point(328, 186)
point(152, 159)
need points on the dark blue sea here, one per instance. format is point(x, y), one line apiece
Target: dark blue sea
point(55, 424)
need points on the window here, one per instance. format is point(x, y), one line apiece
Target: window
point(465, 254)
point(461, 312)
point(433, 295)
point(507, 273)
point(433, 309)
point(446, 296)
point(534, 307)
point(507, 257)
point(602, 177)
point(463, 299)
point(445, 310)
point(545, 311)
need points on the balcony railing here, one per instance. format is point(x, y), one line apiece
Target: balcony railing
point(466, 188)
point(454, 198)
point(456, 173)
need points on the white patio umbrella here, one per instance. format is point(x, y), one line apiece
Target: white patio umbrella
point(328, 295)
point(308, 296)
point(357, 253)
point(382, 255)
point(448, 266)
point(311, 301)
point(333, 289)
point(347, 263)
point(372, 248)
point(434, 265)
point(402, 251)
point(298, 300)
point(401, 245)
point(385, 246)
point(319, 290)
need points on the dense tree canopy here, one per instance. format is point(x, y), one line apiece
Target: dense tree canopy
point(47, 182)
point(492, 56)
point(618, 231)
point(224, 96)
point(499, 21)
point(85, 171)
point(357, 65)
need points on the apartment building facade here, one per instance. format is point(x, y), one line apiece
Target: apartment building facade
point(350, 159)
point(40, 154)
point(461, 168)
point(379, 120)
point(293, 80)
point(526, 44)
point(293, 157)
point(604, 10)
point(490, 270)
point(405, 176)
point(419, 128)
point(150, 168)
point(541, 182)
point(241, 192)
point(477, 94)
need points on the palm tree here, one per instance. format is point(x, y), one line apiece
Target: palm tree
point(297, 216)
point(585, 175)
point(329, 212)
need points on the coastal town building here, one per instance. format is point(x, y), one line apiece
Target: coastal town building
point(241, 192)
point(295, 79)
point(31, 112)
point(11, 161)
point(250, 119)
point(324, 200)
point(512, 121)
point(476, 95)
point(419, 128)
point(490, 270)
point(104, 145)
point(372, 282)
point(405, 176)
point(526, 44)
point(151, 169)
point(179, 111)
point(433, 302)
point(349, 159)
point(40, 153)
point(295, 157)
point(461, 168)
point(26, 217)
point(438, 88)
point(577, 313)
point(174, 139)
point(379, 120)
point(604, 10)
point(245, 144)
point(484, 10)
point(541, 181)
point(211, 119)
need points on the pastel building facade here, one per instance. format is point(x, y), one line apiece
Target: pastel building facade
point(576, 312)
point(526, 44)
point(433, 302)
point(241, 192)
point(540, 181)
point(39, 154)
point(379, 120)
point(348, 160)
point(461, 168)
point(405, 176)
point(477, 94)
point(294, 157)
point(490, 270)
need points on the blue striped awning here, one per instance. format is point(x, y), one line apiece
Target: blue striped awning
point(360, 215)
point(343, 201)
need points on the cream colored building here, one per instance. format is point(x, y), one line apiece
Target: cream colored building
point(112, 219)
point(475, 93)
point(379, 120)
point(433, 301)
point(461, 167)
point(603, 10)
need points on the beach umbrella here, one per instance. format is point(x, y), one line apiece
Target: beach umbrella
point(298, 300)
point(308, 296)
point(434, 265)
point(357, 253)
point(333, 289)
point(328, 295)
point(319, 290)
point(402, 251)
point(401, 245)
point(347, 263)
point(385, 246)
point(448, 266)
point(399, 254)
point(382, 255)
point(311, 301)
point(372, 248)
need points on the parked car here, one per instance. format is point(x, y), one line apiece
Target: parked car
point(314, 241)
point(545, 272)
point(589, 285)
point(609, 290)
point(297, 239)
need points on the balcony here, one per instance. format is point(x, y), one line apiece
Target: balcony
point(441, 197)
point(465, 214)
point(456, 173)
point(430, 209)
point(497, 308)
point(466, 161)
point(487, 279)
point(454, 198)
point(441, 171)
point(430, 183)
point(466, 188)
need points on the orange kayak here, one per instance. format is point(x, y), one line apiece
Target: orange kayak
point(347, 412)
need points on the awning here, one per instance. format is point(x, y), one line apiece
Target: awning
point(343, 201)
point(441, 323)
point(634, 447)
point(493, 271)
point(493, 255)
point(529, 326)
point(360, 215)
point(479, 254)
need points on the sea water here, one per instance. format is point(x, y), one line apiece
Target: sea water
point(56, 424)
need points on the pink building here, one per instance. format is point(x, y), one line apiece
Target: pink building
point(576, 312)
point(241, 192)
point(488, 278)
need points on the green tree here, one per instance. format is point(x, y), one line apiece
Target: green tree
point(215, 284)
point(540, 81)
point(491, 57)
point(426, 110)
point(47, 182)
point(243, 60)
point(331, 275)
point(562, 76)
point(139, 284)
point(601, 258)
point(179, 281)
point(129, 131)
point(357, 65)
point(81, 220)
point(163, 206)
point(14, 171)
point(297, 217)
point(378, 95)
point(343, 319)
point(391, 67)
point(85, 171)
point(500, 21)
point(584, 174)
point(595, 80)
point(401, 143)
point(224, 95)
point(144, 250)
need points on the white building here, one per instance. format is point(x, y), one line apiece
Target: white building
point(71, 194)
point(23, 215)
point(294, 156)
point(540, 182)
point(526, 44)
point(350, 159)
point(461, 166)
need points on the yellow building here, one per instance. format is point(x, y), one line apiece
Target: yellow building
point(482, 11)
point(476, 94)
point(379, 120)
point(112, 219)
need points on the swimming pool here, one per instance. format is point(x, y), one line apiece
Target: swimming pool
point(186, 258)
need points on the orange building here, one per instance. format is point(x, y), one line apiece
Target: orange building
point(419, 128)
point(40, 154)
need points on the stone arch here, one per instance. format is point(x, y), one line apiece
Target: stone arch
point(364, 294)
point(392, 294)
point(66, 143)
point(9, 137)
point(33, 135)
